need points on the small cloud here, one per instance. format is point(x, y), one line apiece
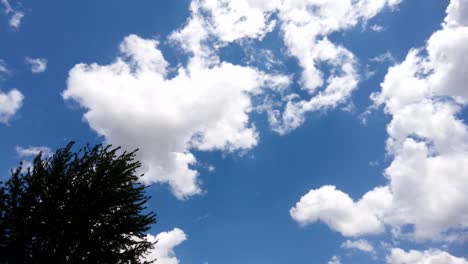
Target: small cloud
point(10, 103)
point(368, 72)
point(384, 57)
point(16, 16)
point(361, 244)
point(364, 116)
point(38, 65)
point(32, 151)
point(400, 256)
point(29, 153)
point(211, 168)
point(334, 260)
point(376, 28)
point(163, 250)
point(263, 57)
point(350, 108)
point(202, 217)
point(15, 20)
point(6, 6)
point(3, 67)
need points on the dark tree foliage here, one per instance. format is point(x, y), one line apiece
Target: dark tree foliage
point(75, 207)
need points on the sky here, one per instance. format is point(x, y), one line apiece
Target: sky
point(269, 131)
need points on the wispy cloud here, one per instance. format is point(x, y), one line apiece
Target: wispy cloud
point(32, 151)
point(384, 57)
point(16, 16)
point(38, 65)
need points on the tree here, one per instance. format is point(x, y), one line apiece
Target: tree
point(75, 207)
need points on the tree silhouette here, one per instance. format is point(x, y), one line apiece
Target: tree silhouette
point(75, 207)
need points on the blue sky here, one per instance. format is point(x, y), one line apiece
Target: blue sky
point(300, 131)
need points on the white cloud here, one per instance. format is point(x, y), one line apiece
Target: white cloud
point(3, 67)
point(163, 251)
point(10, 103)
point(377, 28)
point(334, 260)
point(427, 140)
point(38, 65)
point(206, 105)
point(214, 23)
point(457, 14)
point(384, 57)
point(234, 20)
point(360, 244)
point(193, 36)
point(341, 213)
point(338, 86)
point(32, 151)
point(433, 256)
point(15, 20)
point(132, 103)
point(15, 15)
point(448, 54)
point(262, 57)
point(6, 6)
point(305, 25)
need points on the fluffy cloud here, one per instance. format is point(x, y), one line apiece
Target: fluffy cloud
point(427, 140)
point(163, 251)
point(233, 20)
point(306, 24)
point(435, 256)
point(206, 105)
point(133, 103)
point(360, 244)
point(341, 213)
point(10, 103)
point(38, 65)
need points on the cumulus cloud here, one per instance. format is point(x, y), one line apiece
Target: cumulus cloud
point(10, 103)
point(361, 244)
point(163, 251)
point(433, 256)
point(133, 103)
point(427, 140)
point(38, 65)
point(305, 26)
point(341, 213)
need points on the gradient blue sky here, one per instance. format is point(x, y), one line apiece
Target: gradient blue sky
point(242, 212)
